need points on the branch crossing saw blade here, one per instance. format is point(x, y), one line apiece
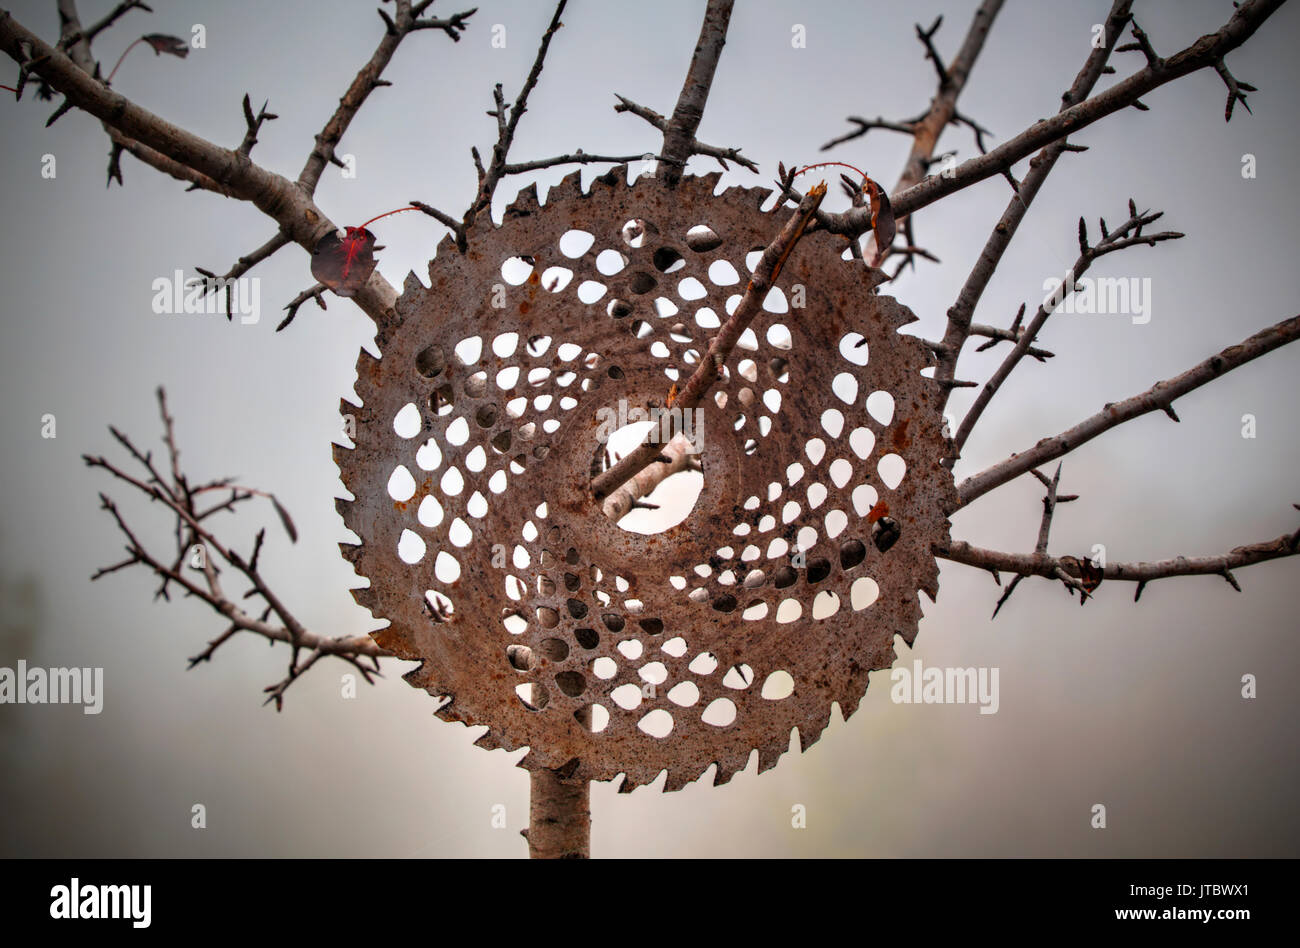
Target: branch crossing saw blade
point(608, 652)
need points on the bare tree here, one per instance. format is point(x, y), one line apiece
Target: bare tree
point(195, 561)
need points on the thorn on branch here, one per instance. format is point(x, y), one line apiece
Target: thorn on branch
point(64, 108)
point(1142, 44)
point(453, 26)
point(1236, 89)
point(1006, 595)
point(254, 123)
point(114, 165)
point(312, 292)
point(927, 40)
point(979, 130)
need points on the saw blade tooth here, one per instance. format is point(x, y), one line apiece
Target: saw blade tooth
point(677, 778)
point(445, 246)
point(768, 756)
point(569, 187)
point(809, 733)
point(608, 180)
point(710, 181)
point(525, 203)
point(410, 286)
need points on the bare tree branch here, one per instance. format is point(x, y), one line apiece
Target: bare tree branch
point(1050, 500)
point(679, 133)
point(926, 128)
point(194, 541)
point(721, 155)
point(1116, 240)
point(1014, 334)
point(254, 123)
point(927, 40)
point(88, 34)
point(962, 311)
point(367, 80)
point(677, 455)
point(506, 126)
point(1040, 564)
point(1160, 396)
point(578, 157)
point(906, 127)
point(1236, 90)
point(1205, 52)
point(943, 107)
point(314, 292)
point(235, 174)
point(212, 282)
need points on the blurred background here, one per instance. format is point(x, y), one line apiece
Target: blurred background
point(1136, 706)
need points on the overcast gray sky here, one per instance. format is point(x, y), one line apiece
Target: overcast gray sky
point(1136, 706)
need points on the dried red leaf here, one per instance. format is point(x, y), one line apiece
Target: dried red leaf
point(172, 45)
point(344, 264)
point(882, 216)
point(879, 510)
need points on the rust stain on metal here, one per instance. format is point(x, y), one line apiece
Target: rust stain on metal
point(899, 436)
point(674, 636)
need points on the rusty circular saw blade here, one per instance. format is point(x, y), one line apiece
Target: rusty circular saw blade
point(674, 651)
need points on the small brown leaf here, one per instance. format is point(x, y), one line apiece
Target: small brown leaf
point(285, 519)
point(172, 45)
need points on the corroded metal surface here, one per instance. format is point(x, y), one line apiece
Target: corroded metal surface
point(640, 654)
